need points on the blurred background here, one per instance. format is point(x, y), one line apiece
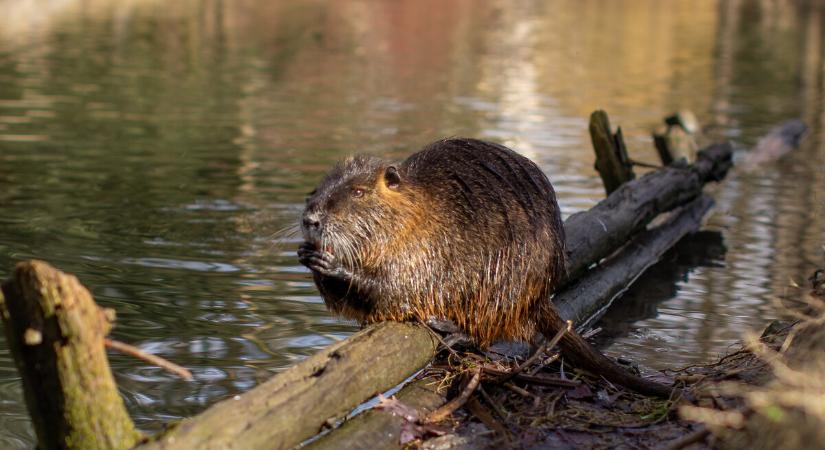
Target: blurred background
point(154, 149)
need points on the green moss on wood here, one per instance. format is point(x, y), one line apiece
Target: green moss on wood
point(296, 404)
point(68, 385)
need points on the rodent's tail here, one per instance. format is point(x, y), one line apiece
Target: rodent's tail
point(582, 354)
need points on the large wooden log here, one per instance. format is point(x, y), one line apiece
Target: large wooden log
point(598, 232)
point(584, 300)
point(298, 403)
point(379, 429)
point(55, 332)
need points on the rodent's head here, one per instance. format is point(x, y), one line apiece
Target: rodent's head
point(355, 205)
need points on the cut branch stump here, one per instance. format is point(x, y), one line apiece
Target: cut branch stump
point(612, 161)
point(676, 139)
point(55, 332)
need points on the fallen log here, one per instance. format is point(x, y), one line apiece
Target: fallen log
point(585, 300)
point(296, 404)
point(598, 232)
point(55, 332)
point(377, 429)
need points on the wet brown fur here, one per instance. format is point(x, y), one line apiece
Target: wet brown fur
point(468, 231)
point(476, 237)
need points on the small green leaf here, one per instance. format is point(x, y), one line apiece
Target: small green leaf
point(774, 413)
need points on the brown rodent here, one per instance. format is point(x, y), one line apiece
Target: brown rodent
point(464, 230)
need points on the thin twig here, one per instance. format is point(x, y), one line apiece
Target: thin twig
point(644, 164)
point(561, 334)
point(154, 360)
point(532, 359)
point(535, 379)
point(553, 358)
point(450, 407)
point(518, 390)
point(591, 332)
point(489, 399)
point(440, 339)
point(553, 404)
point(484, 415)
point(548, 381)
point(538, 353)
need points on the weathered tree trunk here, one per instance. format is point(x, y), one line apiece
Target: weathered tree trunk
point(296, 404)
point(55, 332)
point(379, 429)
point(596, 233)
point(585, 299)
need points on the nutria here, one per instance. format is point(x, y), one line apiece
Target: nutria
point(464, 230)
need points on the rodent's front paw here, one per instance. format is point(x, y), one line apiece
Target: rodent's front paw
point(321, 262)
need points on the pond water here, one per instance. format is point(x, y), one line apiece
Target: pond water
point(155, 148)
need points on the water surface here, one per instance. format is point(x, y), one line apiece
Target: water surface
point(155, 148)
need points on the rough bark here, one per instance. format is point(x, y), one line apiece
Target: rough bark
point(379, 429)
point(296, 404)
point(585, 299)
point(598, 232)
point(55, 332)
point(612, 161)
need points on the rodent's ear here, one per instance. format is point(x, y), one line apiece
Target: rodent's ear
point(392, 178)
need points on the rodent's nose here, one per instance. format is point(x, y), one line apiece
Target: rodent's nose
point(312, 221)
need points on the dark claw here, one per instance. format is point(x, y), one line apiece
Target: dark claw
point(305, 248)
point(320, 264)
point(323, 263)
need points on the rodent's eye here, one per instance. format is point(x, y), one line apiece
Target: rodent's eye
point(357, 192)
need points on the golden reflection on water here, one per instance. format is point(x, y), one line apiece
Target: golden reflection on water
point(153, 148)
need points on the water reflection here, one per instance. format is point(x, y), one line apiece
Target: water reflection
point(155, 149)
point(659, 296)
